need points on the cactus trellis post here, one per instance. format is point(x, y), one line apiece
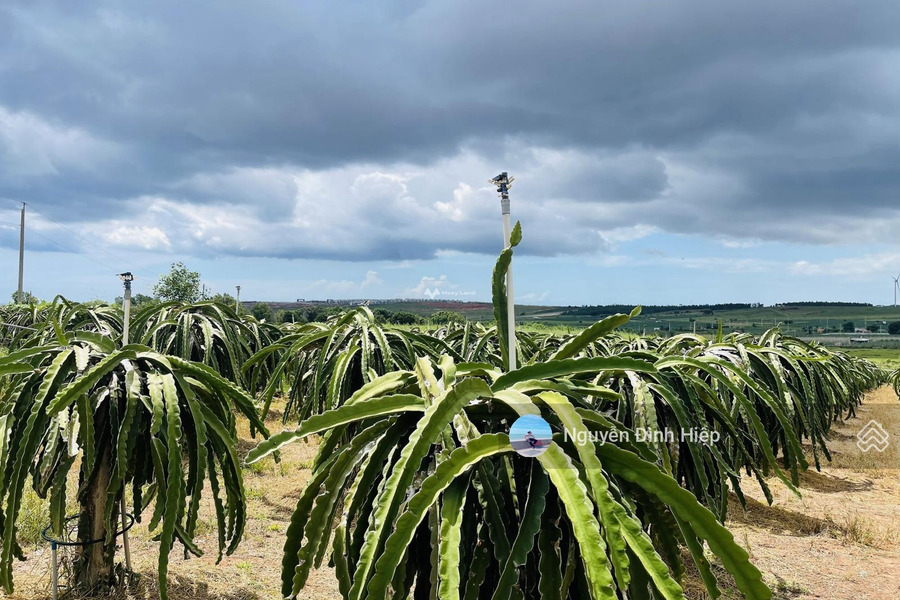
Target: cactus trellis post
point(503, 182)
point(126, 278)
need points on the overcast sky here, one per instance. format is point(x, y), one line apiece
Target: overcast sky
point(664, 152)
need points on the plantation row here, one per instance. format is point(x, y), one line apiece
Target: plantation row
point(416, 485)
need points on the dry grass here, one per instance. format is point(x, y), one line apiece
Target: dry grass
point(839, 541)
point(860, 530)
point(253, 572)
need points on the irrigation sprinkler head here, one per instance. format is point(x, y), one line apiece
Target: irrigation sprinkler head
point(127, 277)
point(503, 181)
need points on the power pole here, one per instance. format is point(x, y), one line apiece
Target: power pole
point(237, 300)
point(503, 181)
point(20, 295)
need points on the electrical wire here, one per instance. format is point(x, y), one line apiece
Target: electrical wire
point(87, 241)
point(31, 230)
point(73, 251)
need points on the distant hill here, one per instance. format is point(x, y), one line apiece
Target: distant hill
point(801, 318)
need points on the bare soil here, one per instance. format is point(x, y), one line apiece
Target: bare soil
point(839, 540)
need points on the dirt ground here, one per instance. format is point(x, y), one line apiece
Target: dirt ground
point(840, 540)
point(252, 572)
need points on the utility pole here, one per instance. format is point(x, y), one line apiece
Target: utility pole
point(237, 300)
point(20, 295)
point(126, 278)
point(503, 182)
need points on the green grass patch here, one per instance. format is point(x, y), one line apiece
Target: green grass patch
point(886, 358)
point(34, 517)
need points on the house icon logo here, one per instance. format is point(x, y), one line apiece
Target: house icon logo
point(872, 437)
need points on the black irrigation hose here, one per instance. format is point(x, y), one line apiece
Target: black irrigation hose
point(87, 543)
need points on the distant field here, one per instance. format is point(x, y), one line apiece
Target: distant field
point(886, 358)
point(793, 320)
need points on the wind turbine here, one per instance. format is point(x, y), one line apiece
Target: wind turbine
point(896, 288)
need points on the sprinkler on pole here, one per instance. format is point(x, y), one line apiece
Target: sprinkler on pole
point(503, 182)
point(237, 300)
point(126, 278)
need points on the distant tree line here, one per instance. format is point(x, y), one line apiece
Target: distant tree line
point(320, 314)
point(310, 314)
point(821, 303)
point(609, 309)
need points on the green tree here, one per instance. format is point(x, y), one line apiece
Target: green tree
point(316, 314)
point(226, 299)
point(847, 327)
point(126, 419)
point(443, 317)
point(29, 298)
point(141, 300)
point(294, 316)
point(874, 327)
point(180, 284)
point(383, 314)
point(894, 328)
point(405, 318)
point(137, 300)
point(262, 312)
point(397, 318)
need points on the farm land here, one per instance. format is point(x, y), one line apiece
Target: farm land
point(825, 540)
point(840, 540)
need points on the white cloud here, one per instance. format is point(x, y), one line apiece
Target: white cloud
point(371, 279)
point(147, 238)
point(533, 297)
point(466, 201)
point(738, 243)
point(613, 238)
point(271, 192)
point(428, 285)
point(721, 264)
point(31, 147)
point(395, 213)
point(401, 213)
point(326, 285)
point(345, 286)
point(854, 267)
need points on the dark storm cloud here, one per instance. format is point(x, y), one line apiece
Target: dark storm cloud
point(771, 109)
